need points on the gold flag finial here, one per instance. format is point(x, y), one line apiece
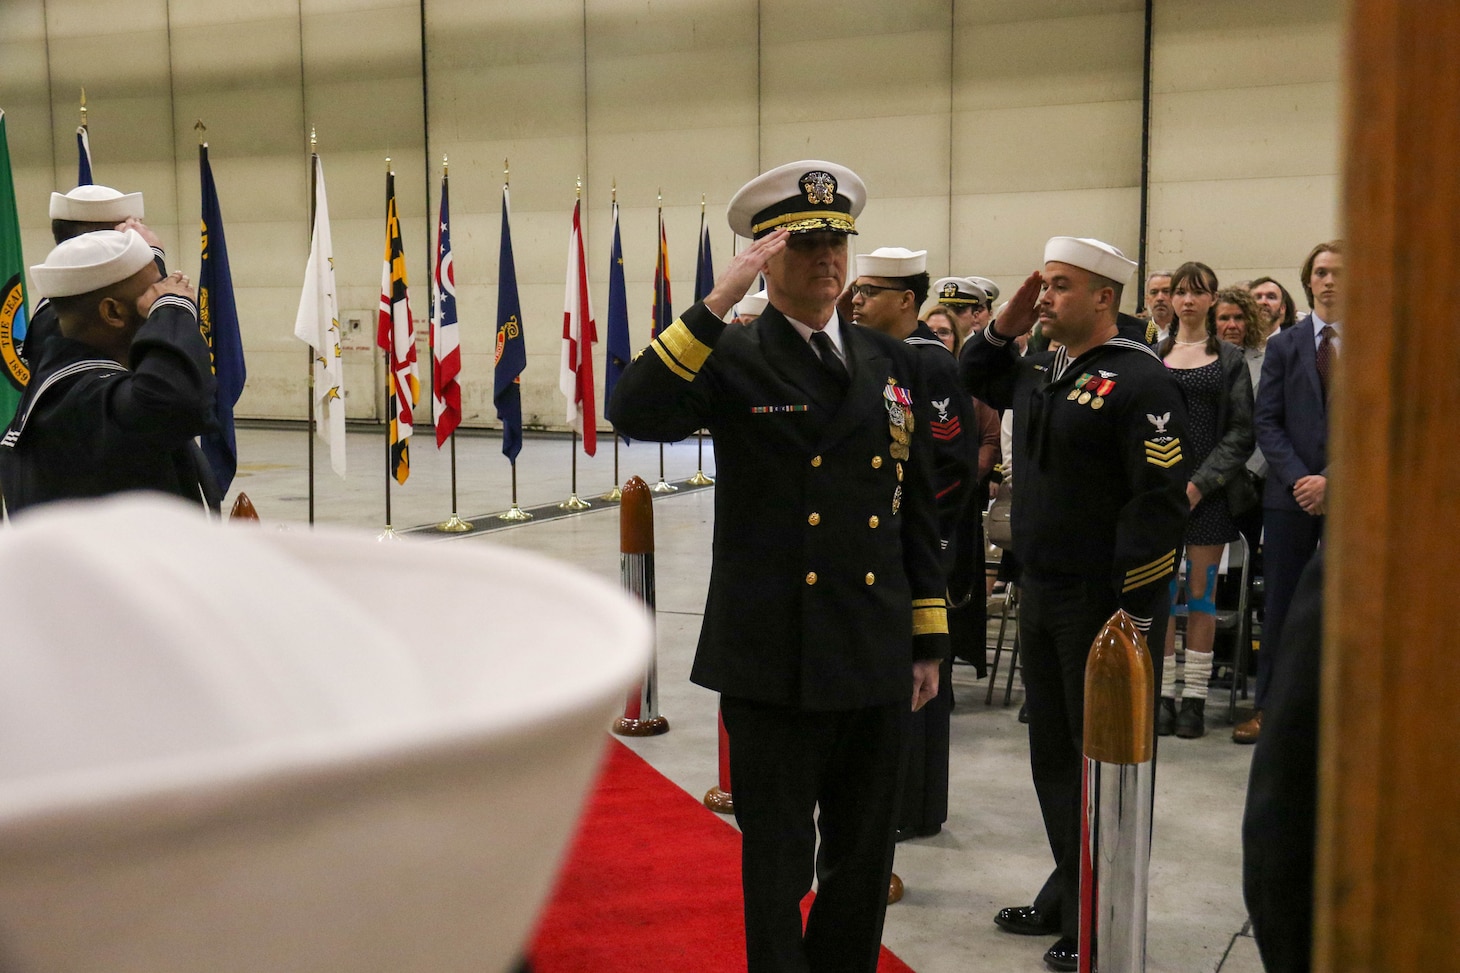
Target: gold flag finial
point(580, 187)
point(615, 189)
point(313, 138)
point(83, 107)
point(444, 164)
point(202, 131)
point(506, 172)
point(702, 204)
point(387, 165)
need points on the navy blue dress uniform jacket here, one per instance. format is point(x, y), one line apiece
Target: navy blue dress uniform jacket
point(954, 430)
point(1101, 489)
point(87, 427)
point(826, 582)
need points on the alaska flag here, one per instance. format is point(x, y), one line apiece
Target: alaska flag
point(13, 309)
point(511, 350)
point(445, 342)
point(83, 156)
point(396, 335)
point(619, 351)
point(218, 316)
point(705, 264)
point(662, 315)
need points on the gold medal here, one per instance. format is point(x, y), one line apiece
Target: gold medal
point(1098, 402)
point(899, 472)
point(907, 420)
point(1074, 394)
point(896, 500)
point(899, 435)
point(1084, 397)
point(898, 450)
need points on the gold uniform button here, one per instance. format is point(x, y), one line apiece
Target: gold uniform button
point(814, 519)
point(876, 462)
point(873, 521)
point(816, 461)
point(811, 577)
point(871, 578)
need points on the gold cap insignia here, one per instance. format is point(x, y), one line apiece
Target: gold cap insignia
point(819, 187)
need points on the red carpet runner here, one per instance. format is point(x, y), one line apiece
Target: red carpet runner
point(652, 883)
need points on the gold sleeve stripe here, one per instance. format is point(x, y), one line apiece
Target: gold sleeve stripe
point(1155, 563)
point(929, 602)
point(1147, 576)
point(671, 364)
point(679, 341)
point(1165, 464)
point(930, 621)
point(1142, 582)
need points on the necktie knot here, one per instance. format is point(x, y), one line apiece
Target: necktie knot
point(826, 351)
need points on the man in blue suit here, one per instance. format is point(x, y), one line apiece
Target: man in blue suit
point(1298, 375)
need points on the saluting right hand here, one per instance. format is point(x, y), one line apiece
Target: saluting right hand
point(143, 230)
point(743, 269)
point(174, 283)
point(1022, 312)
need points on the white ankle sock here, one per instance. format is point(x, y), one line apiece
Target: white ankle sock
point(1168, 677)
point(1198, 674)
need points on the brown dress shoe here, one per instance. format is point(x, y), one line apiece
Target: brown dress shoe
point(1249, 731)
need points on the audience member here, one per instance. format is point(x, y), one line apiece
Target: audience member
point(1276, 305)
point(1291, 417)
point(1240, 323)
point(1158, 303)
point(1218, 390)
point(940, 321)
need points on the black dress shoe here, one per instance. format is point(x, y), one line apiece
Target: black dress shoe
point(1063, 955)
point(1025, 920)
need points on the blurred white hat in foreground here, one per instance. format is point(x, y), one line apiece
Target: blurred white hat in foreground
point(232, 749)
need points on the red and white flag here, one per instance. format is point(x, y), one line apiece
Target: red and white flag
point(396, 335)
point(580, 334)
point(445, 344)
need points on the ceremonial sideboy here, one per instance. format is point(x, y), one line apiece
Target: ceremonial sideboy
point(121, 390)
point(825, 621)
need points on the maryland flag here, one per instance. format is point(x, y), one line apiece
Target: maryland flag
point(14, 312)
point(662, 313)
point(397, 337)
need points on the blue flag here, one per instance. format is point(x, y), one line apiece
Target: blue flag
point(619, 351)
point(705, 264)
point(662, 314)
point(83, 157)
point(511, 352)
point(218, 316)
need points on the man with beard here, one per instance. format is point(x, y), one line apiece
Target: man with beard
point(1158, 302)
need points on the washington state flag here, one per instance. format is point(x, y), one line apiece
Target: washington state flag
point(13, 309)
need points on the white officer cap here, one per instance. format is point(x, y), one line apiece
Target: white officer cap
point(90, 262)
point(802, 197)
point(987, 286)
point(753, 303)
point(1092, 255)
point(959, 292)
point(892, 262)
point(95, 204)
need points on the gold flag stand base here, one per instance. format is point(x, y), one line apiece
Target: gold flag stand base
point(516, 513)
point(574, 503)
point(699, 479)
point(613, 496)
point(626, 727)
point(388, 534)
point(664, 486)
point(719, 802)
point(454, 526)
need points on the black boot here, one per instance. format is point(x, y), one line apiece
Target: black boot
point(1165, 717)
point(1191, 722)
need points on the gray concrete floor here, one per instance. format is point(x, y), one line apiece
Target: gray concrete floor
point(991, 853)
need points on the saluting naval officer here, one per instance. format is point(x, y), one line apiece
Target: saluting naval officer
point(825, 622)
point(1099, 428)
point(120, 392)
point(892, 283)
point(87, 209)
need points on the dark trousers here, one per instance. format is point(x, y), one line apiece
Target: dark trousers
point(1289, 542)
point(924, 804)
point(786, 764)
point(1057, 622)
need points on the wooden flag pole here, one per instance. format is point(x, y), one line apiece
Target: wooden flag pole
point(309, 351)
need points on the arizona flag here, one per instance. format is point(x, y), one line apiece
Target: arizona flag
point(445, 343)
point(318, 325)
point(662, 314)
point(511, 348)
point(218, 315)
point(575, 377)
point(13, 309)
point(619, 350)
point(397, 337)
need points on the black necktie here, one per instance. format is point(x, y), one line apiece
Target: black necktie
point(821, 341)
point(1327, 356)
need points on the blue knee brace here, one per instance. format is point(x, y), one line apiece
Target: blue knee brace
point(1206, 604)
